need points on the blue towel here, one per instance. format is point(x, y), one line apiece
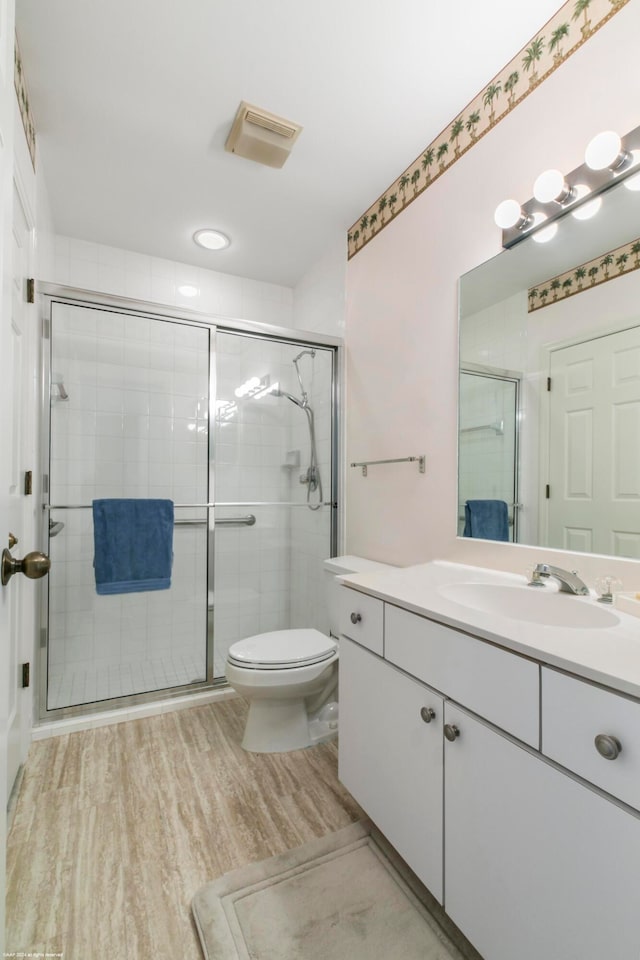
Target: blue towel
point(133, 543)
point(486, 519)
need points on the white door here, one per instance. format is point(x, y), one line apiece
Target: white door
point(594, 446)
point(7, 343)
point(19, 595)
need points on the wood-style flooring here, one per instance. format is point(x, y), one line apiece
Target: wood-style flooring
point(116, 828)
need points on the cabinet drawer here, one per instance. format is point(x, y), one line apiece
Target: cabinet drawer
point(361, 618)
point(498, 685)
point(574, 713)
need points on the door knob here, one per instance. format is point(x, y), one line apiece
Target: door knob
point(34, 566)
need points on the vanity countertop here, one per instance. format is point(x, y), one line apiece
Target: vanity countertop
point(609, 655)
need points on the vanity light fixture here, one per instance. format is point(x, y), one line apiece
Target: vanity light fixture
point(211, 239)
point(609, 159)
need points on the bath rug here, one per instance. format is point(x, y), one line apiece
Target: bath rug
point(339, 896)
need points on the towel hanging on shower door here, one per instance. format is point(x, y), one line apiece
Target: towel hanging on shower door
point(133, 542)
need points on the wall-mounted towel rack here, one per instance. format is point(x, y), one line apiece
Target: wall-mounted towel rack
point(370, 463)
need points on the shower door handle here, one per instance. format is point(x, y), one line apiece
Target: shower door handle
point(34, 566)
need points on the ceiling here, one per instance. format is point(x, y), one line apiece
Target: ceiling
point(133, 101)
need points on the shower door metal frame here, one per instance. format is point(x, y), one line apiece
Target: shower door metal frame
point(49, 294)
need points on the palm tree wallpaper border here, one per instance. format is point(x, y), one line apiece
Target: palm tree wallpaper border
point(565, 32)
point(23, 102)
point(607, 266)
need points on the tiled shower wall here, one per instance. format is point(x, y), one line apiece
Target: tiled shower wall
point(125, 273)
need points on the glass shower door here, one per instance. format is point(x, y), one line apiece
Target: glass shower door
point(273, 445)
point(129, 410)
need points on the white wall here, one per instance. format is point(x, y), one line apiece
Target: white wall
point(402, 310)
point(319, 297)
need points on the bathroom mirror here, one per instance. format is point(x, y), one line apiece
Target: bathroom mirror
point(549, 405)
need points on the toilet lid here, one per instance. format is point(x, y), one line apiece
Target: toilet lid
point(280, 649)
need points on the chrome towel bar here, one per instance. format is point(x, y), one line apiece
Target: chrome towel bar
point(247, 521)
point(370, 463)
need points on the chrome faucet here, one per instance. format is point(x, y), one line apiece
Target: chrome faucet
point(569, 580)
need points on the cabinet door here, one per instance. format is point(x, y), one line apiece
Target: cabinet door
point(391, 759)
point(536, 864)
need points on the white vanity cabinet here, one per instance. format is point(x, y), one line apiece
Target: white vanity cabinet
point(536, 862)
point(536, 866)
point(390, 756)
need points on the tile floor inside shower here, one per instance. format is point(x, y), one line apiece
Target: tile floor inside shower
point(86, 683)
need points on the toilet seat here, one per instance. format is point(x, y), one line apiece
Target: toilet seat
point(282, 650)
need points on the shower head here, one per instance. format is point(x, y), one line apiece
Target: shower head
point(303, 353)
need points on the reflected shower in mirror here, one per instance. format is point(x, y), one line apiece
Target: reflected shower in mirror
point(558, 325)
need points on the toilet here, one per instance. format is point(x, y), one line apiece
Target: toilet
point(290, 677)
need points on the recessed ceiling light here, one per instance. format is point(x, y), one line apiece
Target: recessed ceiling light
point(211, 239)
point(187, 290)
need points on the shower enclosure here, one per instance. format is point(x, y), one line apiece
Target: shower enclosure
point(238, 429)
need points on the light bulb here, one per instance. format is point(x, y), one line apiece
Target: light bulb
point(551, 185)
point(508, 214)
point(604, 151)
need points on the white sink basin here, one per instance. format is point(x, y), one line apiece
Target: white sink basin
point(531, 604)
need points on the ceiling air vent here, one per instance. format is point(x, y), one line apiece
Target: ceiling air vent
point(261, 136)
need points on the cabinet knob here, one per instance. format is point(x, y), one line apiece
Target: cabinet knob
point(608, 747)
point(427, 714)
point(356, 617)
point(451, 732)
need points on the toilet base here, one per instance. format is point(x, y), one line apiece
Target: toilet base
point(278, 726)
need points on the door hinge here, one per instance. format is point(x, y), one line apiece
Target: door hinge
point(26, 669)
point(548, 384)
point(28, 483)
point(31, 290)
point(547, 492)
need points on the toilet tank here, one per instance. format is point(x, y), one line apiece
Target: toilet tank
point(340, 566)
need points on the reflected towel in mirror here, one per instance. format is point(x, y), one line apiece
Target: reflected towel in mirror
point(486, 519)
